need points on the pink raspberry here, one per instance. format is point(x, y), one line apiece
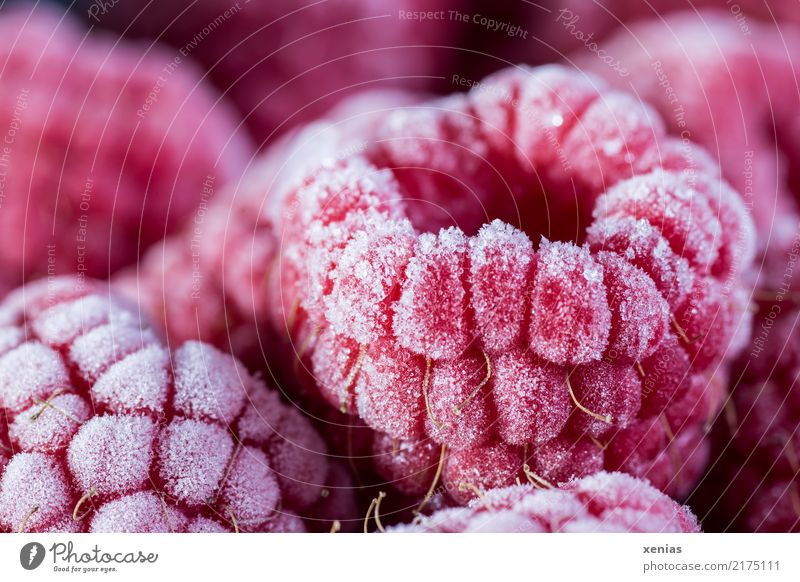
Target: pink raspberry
point(284, 63)
point(107, 430)
point(110, 146)
point(513, 354)
point(605, 502)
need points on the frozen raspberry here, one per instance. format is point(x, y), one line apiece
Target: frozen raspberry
point(522, 345)
point(356, 305)
point(613, 394)
point(283, 63)
point(460, 411)
point(605, 502)
point(710, 318)
point(636, 325)
point(138, 439)
point(111, 146)
point(570, 318)
point(642, 245)
point(336, 362)
point(430, 314)
point(565, 458)
point(387, 392)
point(666, 201)
point(531, 397)
point(501, 260)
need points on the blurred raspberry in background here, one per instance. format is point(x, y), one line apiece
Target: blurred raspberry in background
point(106, 146)
point(283, 62)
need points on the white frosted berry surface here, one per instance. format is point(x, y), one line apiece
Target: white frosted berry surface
point(49, 426)
point(124, 436)
point(33, 480)
point(96, 350)
point(142, 512)
point(570, 317)
point(193, 456)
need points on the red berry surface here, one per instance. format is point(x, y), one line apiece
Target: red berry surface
point(731, 92)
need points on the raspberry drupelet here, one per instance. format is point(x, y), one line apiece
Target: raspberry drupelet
point(106, 430)
point(605, 502)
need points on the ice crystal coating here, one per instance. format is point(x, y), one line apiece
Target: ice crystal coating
point(500, 259)
point(460, 410)
point(742, 114)
point(612, 394)
point(390, 391)
point(639, 314)
point(430, 316)
point(531, 397)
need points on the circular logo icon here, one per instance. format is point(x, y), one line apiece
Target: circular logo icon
point(31, 555)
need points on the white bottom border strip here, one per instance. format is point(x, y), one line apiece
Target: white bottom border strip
point(389, 557)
